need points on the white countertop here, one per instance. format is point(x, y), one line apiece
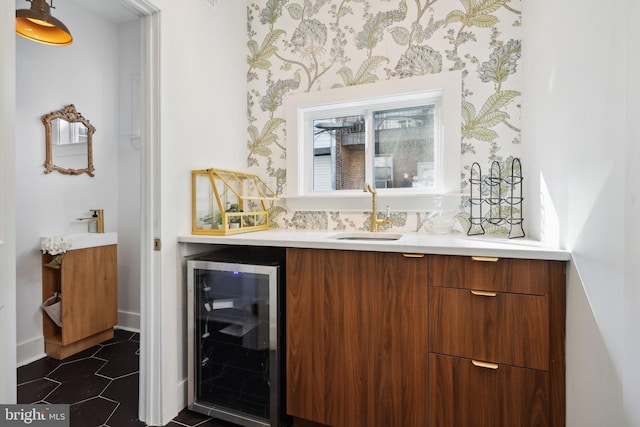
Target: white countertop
point(89, 240)
point(450, 244)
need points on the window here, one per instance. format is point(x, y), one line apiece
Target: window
point(401, 136)
point(404, 145)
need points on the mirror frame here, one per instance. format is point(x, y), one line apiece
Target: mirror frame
point(71, 115)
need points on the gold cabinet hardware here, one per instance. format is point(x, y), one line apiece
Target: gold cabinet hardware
point(485, 365)
point(413, 255)
point(485, 258)
point(484, 293)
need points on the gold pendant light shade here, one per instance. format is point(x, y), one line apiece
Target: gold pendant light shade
point(38, 25)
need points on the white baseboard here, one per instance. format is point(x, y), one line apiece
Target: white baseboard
point(33, 349)
point(128, 321)
point(30, 351)
point(182, 394)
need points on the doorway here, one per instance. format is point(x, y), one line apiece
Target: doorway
point(140, 142)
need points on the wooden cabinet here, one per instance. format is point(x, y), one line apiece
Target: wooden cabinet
point(369, 344)
point(356, 338)
point(87, 281)
point(496, 342)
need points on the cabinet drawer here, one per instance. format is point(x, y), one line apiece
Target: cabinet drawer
point(504, 274)
point(505, 328)
point(462, 394)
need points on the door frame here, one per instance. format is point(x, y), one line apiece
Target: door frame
point(152, 388)
point(8, 335)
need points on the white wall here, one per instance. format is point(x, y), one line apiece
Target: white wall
point(48, 78)
point(577, 128)
point(129, 219)
point(203, 124)
point(631, 291)
point(7, 206)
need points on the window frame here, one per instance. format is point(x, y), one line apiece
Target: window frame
point(303, 108)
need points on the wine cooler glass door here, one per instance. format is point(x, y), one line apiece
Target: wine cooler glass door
point(233, 339)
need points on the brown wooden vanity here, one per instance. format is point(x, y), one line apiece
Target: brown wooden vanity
point(87, 280)
point(392, 339)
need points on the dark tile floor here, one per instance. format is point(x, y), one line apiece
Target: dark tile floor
point(100, 384)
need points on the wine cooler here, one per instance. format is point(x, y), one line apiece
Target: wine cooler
point(235, 331)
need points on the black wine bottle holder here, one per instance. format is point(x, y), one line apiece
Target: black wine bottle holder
point(501, 195)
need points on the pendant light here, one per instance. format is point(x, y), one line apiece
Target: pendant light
point(38, 25)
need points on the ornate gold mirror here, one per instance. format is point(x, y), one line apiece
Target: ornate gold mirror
point(68, 137)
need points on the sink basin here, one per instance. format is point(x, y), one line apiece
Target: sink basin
point(90, 240)
point(366, 236)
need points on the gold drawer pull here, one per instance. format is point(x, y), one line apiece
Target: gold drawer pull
point(485, 258)
point(486, 365)
point(484, 293)
point(413, 255)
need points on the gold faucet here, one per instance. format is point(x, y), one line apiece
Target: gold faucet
point(375, 221)
point(98, 217)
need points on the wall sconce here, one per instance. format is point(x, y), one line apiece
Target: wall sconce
point(38, 25)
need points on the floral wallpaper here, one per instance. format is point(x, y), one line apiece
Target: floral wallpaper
point(312, 45)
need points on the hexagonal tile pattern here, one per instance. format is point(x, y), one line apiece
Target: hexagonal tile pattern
point(37, 370)
point(125, 391)
point(36, 390)
point(100, 384)
point(92, 412)
point(121, 359)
